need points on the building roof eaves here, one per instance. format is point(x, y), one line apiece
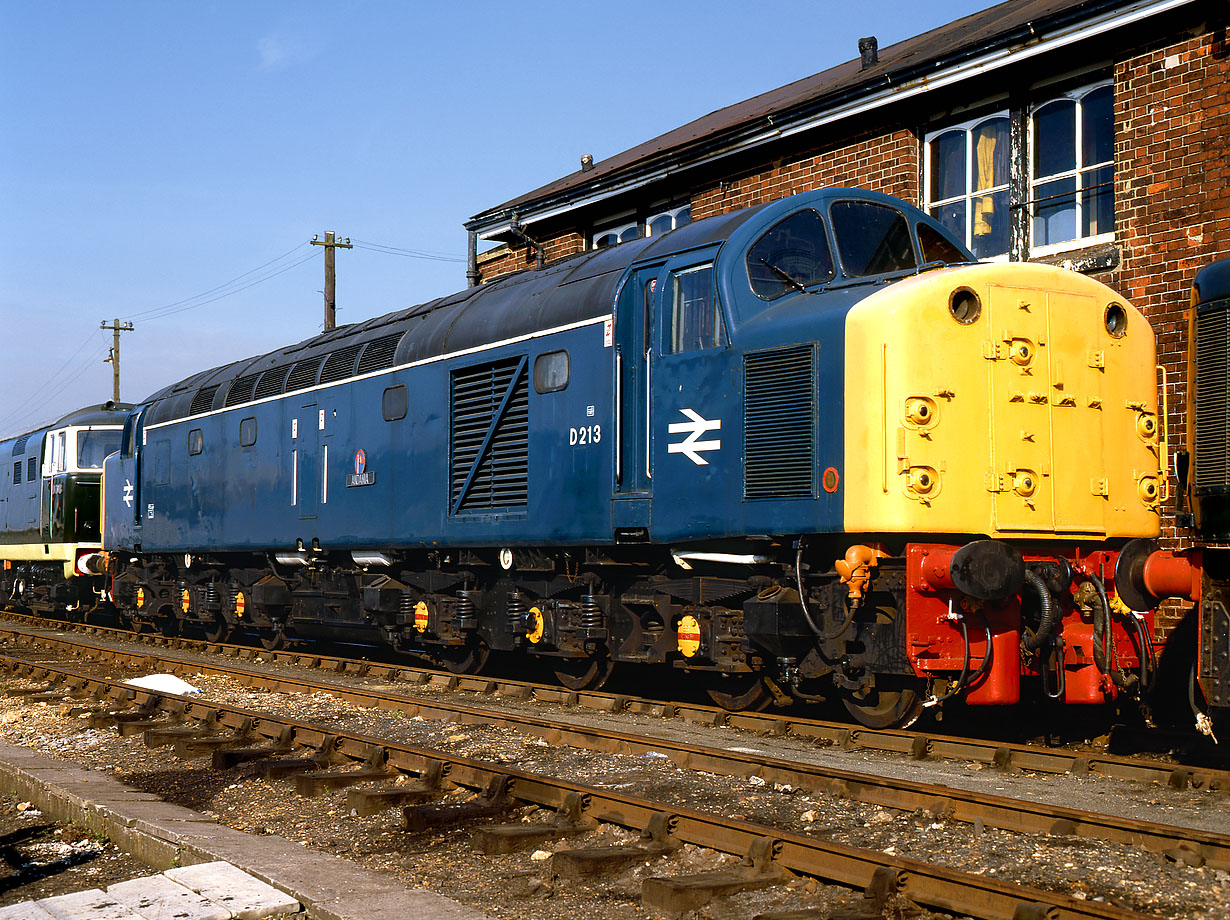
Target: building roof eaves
point(916, 64)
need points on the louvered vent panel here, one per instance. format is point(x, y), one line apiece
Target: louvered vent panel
point(340, 364)
point(379, 353)
point(19, 446)
point(241, 390)
point(502, 475)
point(779, 435)
point(303, 375)
point(203, 401)
point(1213, 396)
point(270, 383)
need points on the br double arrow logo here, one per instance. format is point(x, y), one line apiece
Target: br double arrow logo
point(691, 446)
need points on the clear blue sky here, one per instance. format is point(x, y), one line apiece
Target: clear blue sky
point(154, 150)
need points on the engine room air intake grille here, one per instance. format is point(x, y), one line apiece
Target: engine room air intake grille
point(270, 383)
point(1213, 395)
point(779, 434)
point(303, 374)
point(19, 446)
point(489, 455)
point(340, 364)
point(241, 390)
point(379, 353)
point(203, 401)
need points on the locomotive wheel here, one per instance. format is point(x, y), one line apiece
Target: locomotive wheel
point(887, 706)
point(742, 693)
point(274, 639)
point(584, 673)
point(219, 631)
point(464, 659)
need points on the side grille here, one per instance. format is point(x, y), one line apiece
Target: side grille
point(779, 435)
point(1213, 395)
point(270, 383)
point(203, 401)
point(340, 364)
point(303, 375)
point(241, 390)
point(489, 455)
point(19, 446)
point(379, 353)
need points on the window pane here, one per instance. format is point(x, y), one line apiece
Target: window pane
point(394, 402)
point(605, 240)
point(1099, 200)
point(196, 441)
point(938, 248)
point(630, 233)
point(1055, 138)
point(1055, 212)
point(872, 239)
point(695, 321)
point(1098, 140)
point(948, 166)
point(551, 372)
point(93, 447)
point(683, 217)
point(797, 248)
point(247, 432)
point(990, 236)
point(952, 218)
point(990, 141)
point(660, 224)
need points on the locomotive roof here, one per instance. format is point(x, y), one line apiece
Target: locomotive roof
point(576, 288)
point(108, 413)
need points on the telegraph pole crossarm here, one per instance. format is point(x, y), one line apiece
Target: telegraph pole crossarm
point(331, 243)
point(114, 357)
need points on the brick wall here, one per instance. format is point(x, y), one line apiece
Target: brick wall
point(516, 258)
point(886, 162)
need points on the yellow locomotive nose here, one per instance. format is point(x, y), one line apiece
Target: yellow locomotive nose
point(1003, 399)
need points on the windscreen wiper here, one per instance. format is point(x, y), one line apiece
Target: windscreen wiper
point(784, 275)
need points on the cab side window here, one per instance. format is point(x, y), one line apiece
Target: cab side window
point(695, 315)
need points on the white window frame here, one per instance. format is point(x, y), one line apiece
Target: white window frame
point(619, 230)
point(672, 213)
point(967, 127)
point(1080, 242)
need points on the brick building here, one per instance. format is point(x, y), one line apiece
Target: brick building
point(1093, 133)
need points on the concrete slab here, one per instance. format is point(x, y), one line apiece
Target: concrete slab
point(26, 910)
point(246, 897)
point(158, 898)
point(91, 904)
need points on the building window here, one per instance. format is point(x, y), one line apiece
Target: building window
point(967, 183)
point(612, 236)
point(666, 221)
point(1073, 171)
point(696, 317)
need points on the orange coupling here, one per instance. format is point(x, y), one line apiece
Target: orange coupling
point(855, 568)
point(1168, 575)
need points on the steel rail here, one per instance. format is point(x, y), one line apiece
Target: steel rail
point(916, 744)
point(1005, 812)
point(928, 885)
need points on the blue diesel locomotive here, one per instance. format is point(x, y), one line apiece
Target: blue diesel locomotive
point(804, 449)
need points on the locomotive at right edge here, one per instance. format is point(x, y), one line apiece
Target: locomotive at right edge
point(808, 449)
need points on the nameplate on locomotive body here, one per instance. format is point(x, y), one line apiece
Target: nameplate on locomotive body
point(365, 478)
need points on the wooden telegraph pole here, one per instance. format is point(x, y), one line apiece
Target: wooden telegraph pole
point(114, 357)
point(330, 242)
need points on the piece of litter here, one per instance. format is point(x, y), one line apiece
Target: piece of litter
point(163, 683)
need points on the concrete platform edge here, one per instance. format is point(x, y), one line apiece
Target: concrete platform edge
point(163, 835)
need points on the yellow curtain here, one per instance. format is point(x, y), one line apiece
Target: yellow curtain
point(985, 177)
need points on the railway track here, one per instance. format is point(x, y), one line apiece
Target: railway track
point(324, 757)
point(918, 745)
point(1014, 814)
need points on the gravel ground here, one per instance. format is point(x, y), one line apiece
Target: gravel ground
point(521, 885)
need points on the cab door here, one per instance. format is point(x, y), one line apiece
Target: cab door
point(635, 311)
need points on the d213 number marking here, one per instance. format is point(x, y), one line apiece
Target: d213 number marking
point(585, 435)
